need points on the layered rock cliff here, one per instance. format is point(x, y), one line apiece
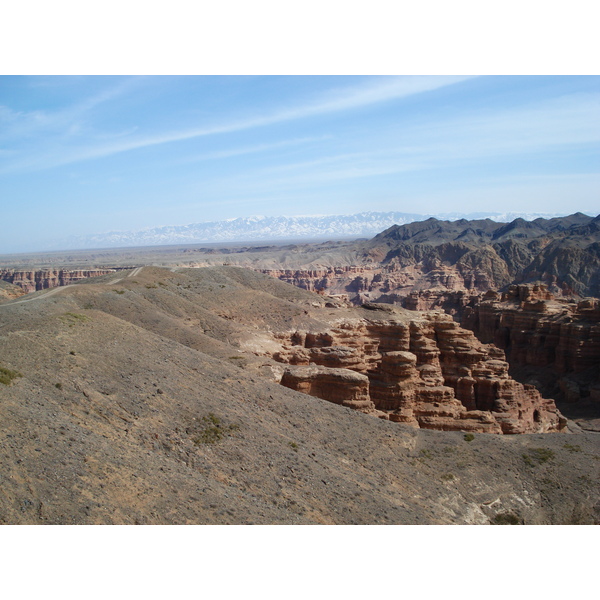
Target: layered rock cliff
point(32, 281)
point(384, 283)
point(422, 370)
point(551, 340)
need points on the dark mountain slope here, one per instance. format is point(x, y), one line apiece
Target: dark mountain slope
point(560, 252)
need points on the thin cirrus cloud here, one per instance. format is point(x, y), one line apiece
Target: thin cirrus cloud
point(336, 100)
point(305, 174)
point(569, 121)
point(252, 149)
point(566, 121)
point(24, 124)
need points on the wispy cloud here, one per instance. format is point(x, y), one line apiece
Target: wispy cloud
point(342, 99)
point(307, 174)
point(17, 125)
point(462, 141)
point(252, 149)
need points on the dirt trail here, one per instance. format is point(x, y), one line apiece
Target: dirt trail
point(53, 291)
point(50, 292)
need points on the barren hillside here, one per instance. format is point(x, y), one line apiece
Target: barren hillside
point(151, 396)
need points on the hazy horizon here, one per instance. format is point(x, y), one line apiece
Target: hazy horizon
point(282, 237)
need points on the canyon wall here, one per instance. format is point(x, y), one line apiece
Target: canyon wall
point(558, 335)
point(32, 281)
point(422, 370)
point(557, 340)
point(387, 283)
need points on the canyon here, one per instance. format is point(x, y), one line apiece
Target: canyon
point(551, 342)
point(454, 266)
point(41, 279)
point(179, 396)
point(458, 346)
point(421, 370)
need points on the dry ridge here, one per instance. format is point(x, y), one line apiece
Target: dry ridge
point(153, 396)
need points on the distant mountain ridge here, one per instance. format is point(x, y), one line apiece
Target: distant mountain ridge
point(562, 252)
point(470, 256)
point(245, 229)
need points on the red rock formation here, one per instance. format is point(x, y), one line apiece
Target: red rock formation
point(451, 302)
point(340, 386)
point(537, 330)
point(425, 371)
point(32, 281)
point(9, 291)
point(391, 282)
point(332, 279)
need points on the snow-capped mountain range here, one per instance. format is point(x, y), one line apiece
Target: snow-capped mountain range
point(251, 229)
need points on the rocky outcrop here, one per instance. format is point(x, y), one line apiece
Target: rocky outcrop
point(9, 291)
point(385, 283)
point(32, 281)
point(463, 256)
point(557, 337)
point(340, 386)
point(425, 371)
point(336, 280)
point(453, 303)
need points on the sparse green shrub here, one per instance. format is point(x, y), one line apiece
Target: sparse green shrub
point(88, 306)
point(8, 375)
point(119, 291)
point(448, 477)
point(426, 453)
point(469, 437)
point(572, 447)
point(293, 446)
point(538, 455)
point(214, 430)
point(58, 386)
point(528, 460)
point(151, 286)
point(70, 318)
point(77, 316)
point(506, 518)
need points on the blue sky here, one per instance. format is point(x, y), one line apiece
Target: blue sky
point(93, 154)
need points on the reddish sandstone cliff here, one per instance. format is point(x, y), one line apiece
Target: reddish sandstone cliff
point(425, 371)
point(32, 281)
point(561, 339)
point(387, 283)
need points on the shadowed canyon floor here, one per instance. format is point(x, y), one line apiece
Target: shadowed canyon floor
point(153, 397)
